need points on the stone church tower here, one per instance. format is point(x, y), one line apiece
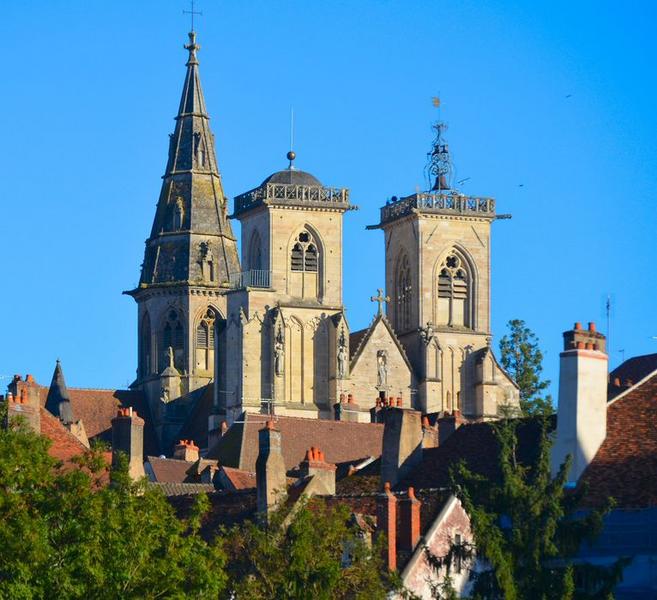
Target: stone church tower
point(438, 264)
point(188, 261)
point(286, 327)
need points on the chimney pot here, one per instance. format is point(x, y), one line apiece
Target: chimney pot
point(578, 326)
point(592, 326)
point(617, 381)
point(580, 345)
point(399, 402)
point(29, 378)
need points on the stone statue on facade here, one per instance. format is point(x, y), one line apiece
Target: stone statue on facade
point(170, 357)
point(426, 333)
point(382, 369)
point(342, 356)
point(279, 349)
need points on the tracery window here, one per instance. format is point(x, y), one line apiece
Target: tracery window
point(205, 341)
point(454, 292)
point(304, 255)
point(403, 294)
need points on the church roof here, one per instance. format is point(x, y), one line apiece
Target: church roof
point(292, 177)
point(192, 199)
point(341, 441)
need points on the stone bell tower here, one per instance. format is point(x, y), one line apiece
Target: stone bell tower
point(189, 257)
point(286, 317)
point(437, 249)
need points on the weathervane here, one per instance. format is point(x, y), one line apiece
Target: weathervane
point(439, 164)
point(192, 12)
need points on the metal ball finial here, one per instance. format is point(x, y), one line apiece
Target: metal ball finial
point(291, 155)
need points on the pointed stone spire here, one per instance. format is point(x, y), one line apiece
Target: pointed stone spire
point(58, 402)
point(192, 201)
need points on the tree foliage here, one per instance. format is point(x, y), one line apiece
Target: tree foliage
point(64, 535)
point(319, 556)
point(527, 529)
point(522, 358)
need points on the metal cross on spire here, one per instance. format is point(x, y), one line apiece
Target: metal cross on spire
point(192, 12)
point(380, 298)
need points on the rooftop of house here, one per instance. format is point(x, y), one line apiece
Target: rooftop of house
point(341, 441)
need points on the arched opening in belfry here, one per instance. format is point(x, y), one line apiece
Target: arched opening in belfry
point(403, 294)
point(205, 341)
point(453, 290)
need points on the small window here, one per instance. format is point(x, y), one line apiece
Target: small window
point(297, 258)
point(311, 258)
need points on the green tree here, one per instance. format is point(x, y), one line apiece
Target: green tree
point(305, 558)
point(527, 529)
point(66, 534)
point(522, 359)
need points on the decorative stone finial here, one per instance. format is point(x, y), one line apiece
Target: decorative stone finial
point(193, 48)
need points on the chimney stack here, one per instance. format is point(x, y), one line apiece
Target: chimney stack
point(24, 401)
point(386, 524)
point(186, 450)
point(128, 438)
point(315, 465)
point(402, 443)
point(582, 410)
point(409, 526)
point(271, 478)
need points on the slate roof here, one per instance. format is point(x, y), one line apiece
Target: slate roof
point(196, 426)
point(625, 466)
point(96, 408)
point(340, 441)
point(632, 371)
point(292, 176)
point(355, 338)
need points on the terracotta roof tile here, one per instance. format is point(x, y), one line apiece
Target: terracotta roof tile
point(240, 480)
point(184, 489)
point(171, 470)
point(625, 466)
point(97, 408)
point(64, 444)
point(341, 441)
point(631, 371)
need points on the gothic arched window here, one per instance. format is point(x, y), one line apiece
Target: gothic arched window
point(205, 341)
point(454, 292)
point(255, 253)
point(403, 294)
point(145, 346)
point(173, 336)
point(304, 255)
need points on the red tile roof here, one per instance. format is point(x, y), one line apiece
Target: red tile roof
point(341, 441)
point(97, 408)
point(64, 444)
point(170, 470)
point(625, 466)
point(631, 372)
point(240, 480)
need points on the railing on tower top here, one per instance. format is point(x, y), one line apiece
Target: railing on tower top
point(450, 203)
point(253, 278)
point(286, 192)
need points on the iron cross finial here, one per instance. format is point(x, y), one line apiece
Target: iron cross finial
point(192, 12)
point(380, 298)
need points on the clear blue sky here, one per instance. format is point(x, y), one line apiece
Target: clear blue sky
point(556, 97)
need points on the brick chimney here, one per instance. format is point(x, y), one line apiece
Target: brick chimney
point(386, 524)
point(271, 478)
point(128, 438)
point(24, 401)
point(448, 424)
point(315, 465)
point(582, 410)
point(409, 522)
point(186, 450)
point(402, 443)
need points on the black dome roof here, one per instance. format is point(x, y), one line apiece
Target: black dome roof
point(293, 177)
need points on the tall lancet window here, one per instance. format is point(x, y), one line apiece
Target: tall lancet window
point(173, 336)
point(205, 341)
point(305, 255)
point(403, 294)
point(145, 346)
point(454, 292)
point(255, 253)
